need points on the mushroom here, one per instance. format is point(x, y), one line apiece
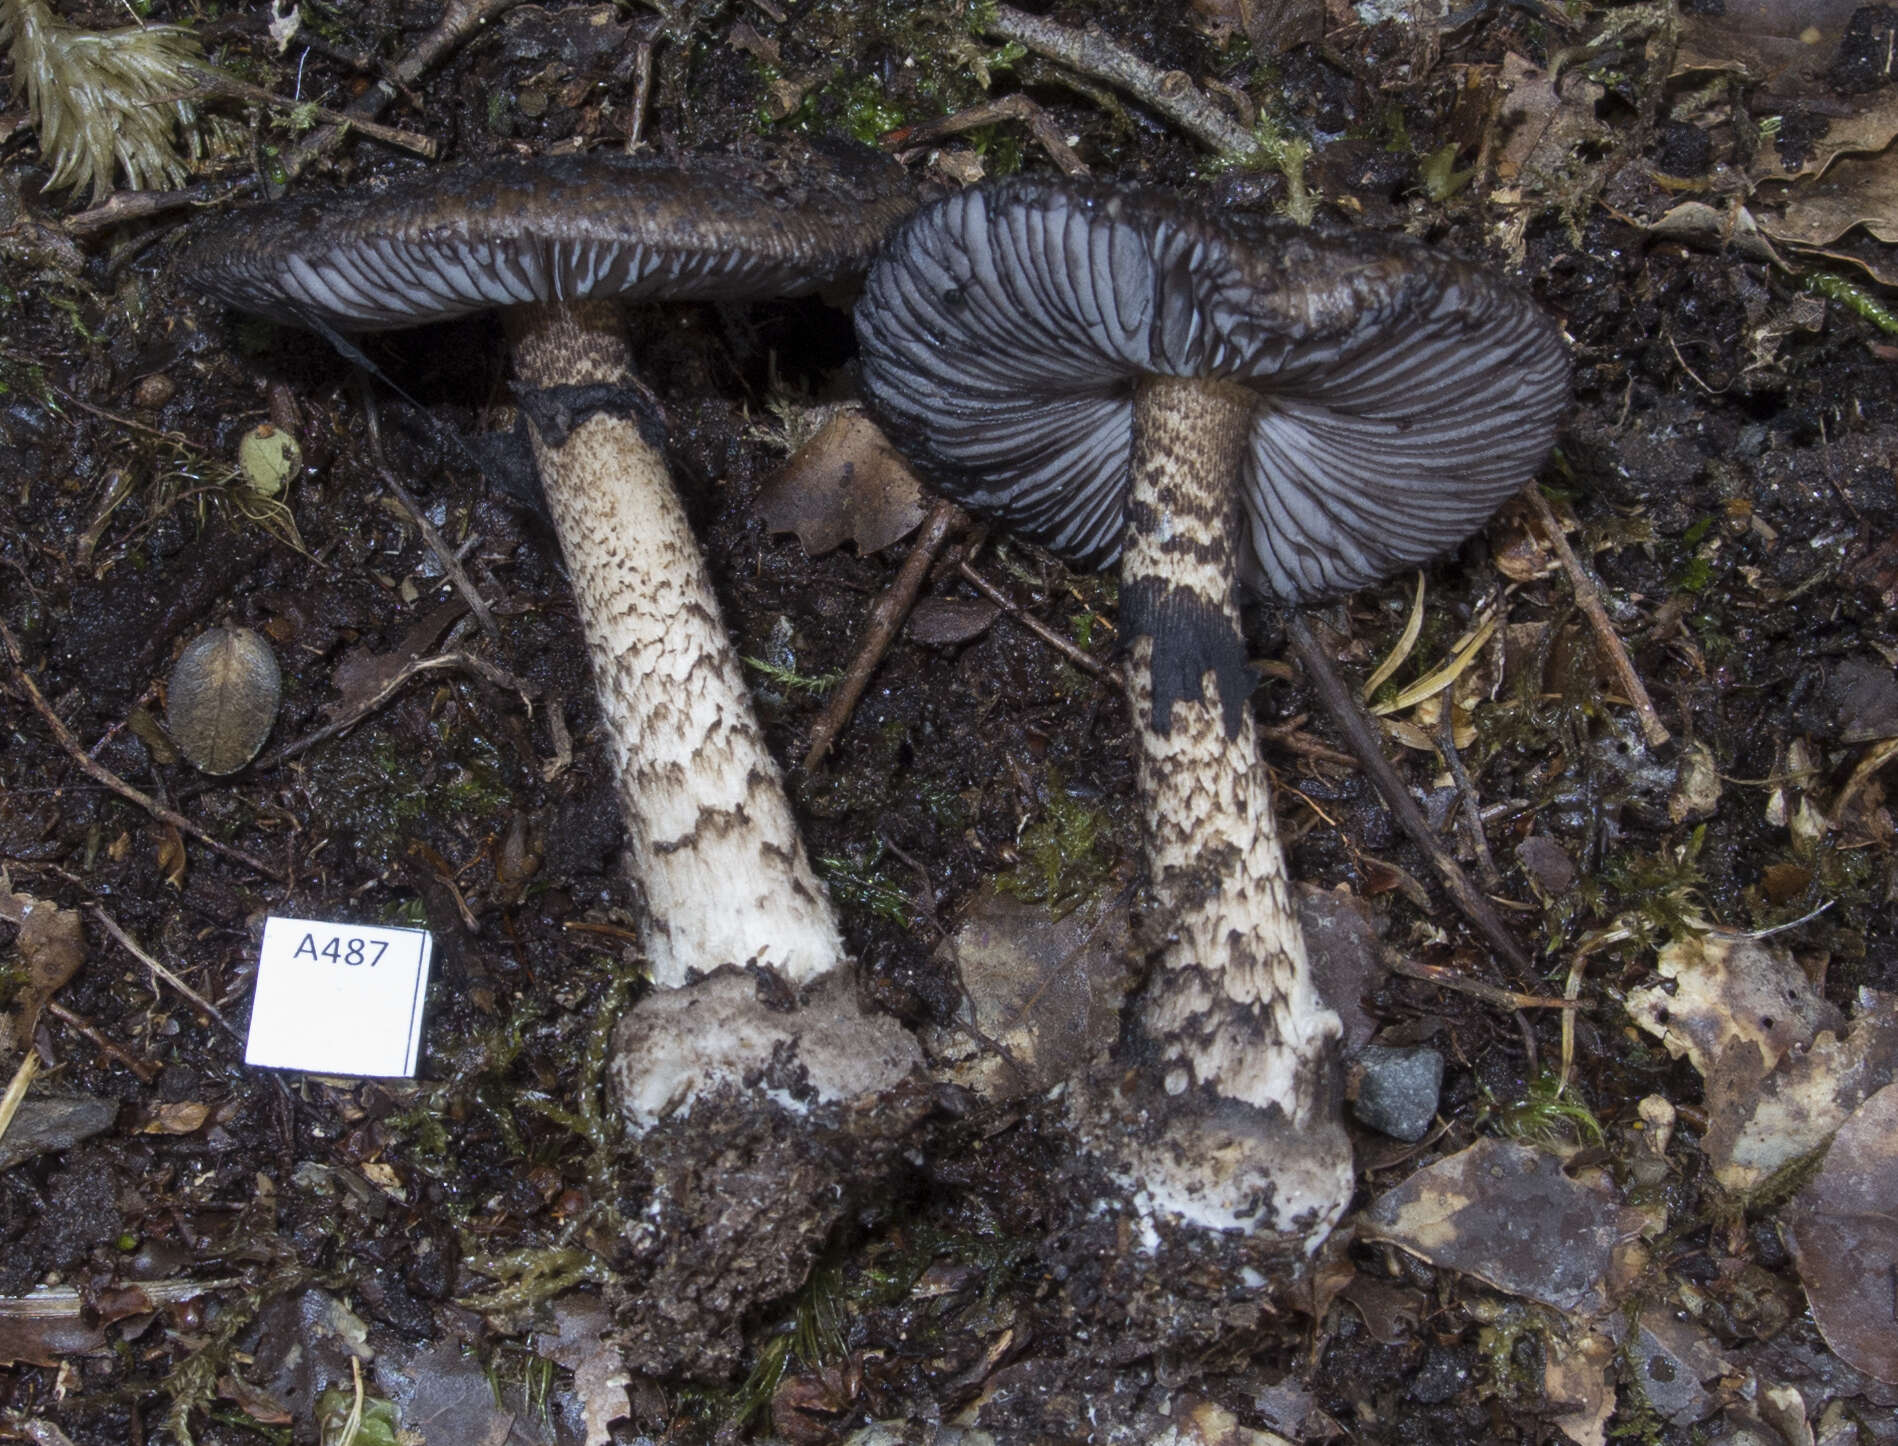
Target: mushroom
point(1114, 372)
point(555, 244)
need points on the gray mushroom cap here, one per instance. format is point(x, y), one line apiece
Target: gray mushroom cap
point(517, 231)
point(1402, 395)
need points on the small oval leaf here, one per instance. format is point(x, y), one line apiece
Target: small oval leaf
point(222, 699)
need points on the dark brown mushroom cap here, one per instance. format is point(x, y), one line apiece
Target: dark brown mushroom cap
point(459, 239)
point(1402, 395)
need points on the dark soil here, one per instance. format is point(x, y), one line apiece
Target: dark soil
point(1736, 497)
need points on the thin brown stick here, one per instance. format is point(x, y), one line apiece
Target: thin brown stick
point(132, 947)
point(145, 1069)
point(433, 664)
point(1588, 598)
point(215, 82)
point(1170, 92)
point(444, 554)
point(1345, 710)
point(880, 628)
point(1488, 993)
point(99, 773)
point(462, 19)
point(1466, 791)
point(1040, 629)
point(1016, 107)
point(123, 206)
point(1291, 737)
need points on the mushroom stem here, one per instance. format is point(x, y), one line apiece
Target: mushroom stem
point(714, 845)
point(1242, 1040)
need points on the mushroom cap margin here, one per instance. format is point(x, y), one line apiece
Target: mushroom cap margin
point(513, 231)
point(1403, 395)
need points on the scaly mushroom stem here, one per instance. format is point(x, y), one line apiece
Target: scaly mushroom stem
point(1243, 1042)
point(713, 841)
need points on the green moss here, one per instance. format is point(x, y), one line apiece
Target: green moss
point(1548, 1117)
point(1855, 299)
point(863, 880)
point(1065, 856)
point(1659, 896)
point(1441, 178)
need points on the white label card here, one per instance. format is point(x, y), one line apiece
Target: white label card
point(338, 998)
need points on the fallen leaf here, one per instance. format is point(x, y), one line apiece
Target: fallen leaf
point(183, 1117)
point(1856, 191)
point(1758, 1127)
point(1508, 1215)
point(1845, 1239)
point(1730, 991)
point(1575, 1384)
point(847, 484)
point(1784, 44)
point(599, 1374)
point(1046, 989)
point(172, 859)
point(940, 622)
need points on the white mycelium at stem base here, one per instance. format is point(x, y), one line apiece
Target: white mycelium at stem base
point(1244, 1045)
point(714, 844)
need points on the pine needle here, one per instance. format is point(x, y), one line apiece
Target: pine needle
point(103, 100)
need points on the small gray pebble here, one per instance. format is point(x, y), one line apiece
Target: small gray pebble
point(1397, 1089)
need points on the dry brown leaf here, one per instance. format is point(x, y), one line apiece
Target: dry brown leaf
point(182, 1117)
point(1784, 45)
point(941, 622)
point(1857, 191)
point(1756, 1130)
point(599, 1372)
point(1045, 989)
point(847, 484)
point(1732, 997)
point(1845, 1239)
point(171, 858)
point(1541, 127)
point(1507, 1214)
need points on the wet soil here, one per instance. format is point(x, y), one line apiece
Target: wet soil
point(1736, 498)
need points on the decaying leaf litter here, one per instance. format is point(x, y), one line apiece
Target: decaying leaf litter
point(1682, 190)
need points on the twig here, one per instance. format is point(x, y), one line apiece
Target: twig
point(1588, 598)
point(444, 554)
point(1290, 736)
point(1488, 993)
point(880, 628)
point(1466, 791)
point(1170, 92)
point(1034, 625)
point(99, 773)
point(1346, 712)
point(10, 1102)
point(123, 206)
point(131, 946)
point(1876, 757)
point(500, 677)
point(218, 82)
point(642, 95)
point(459, 21)
point(1017, 107)
point(87, 1030)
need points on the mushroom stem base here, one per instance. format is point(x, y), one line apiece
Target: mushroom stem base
point(1243, 1045)
point(714, 844)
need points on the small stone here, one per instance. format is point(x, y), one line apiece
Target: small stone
point(154, 391)
point(1547, 862)
point(1397, 1089)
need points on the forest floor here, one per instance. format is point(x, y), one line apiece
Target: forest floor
point(233, 1247)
